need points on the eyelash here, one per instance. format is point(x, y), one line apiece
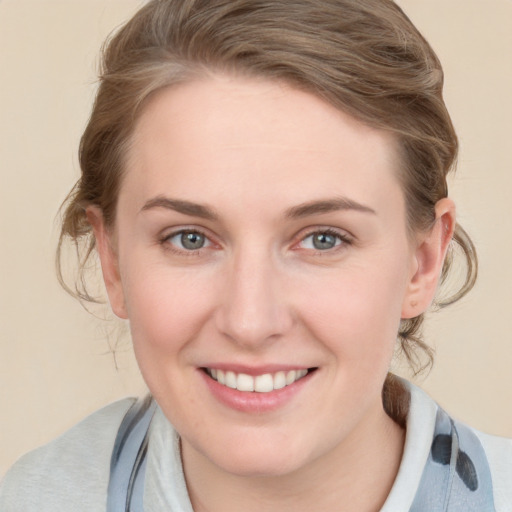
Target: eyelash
point(165, 241)
point(342, 240)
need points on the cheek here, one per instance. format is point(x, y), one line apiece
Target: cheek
point(165, 308)
point(167, 311)
point(358, 311)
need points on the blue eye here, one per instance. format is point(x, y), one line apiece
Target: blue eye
point(322, 241)
point(189, 240)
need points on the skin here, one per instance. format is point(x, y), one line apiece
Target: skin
point(260, 157)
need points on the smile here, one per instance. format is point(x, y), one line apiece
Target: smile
point(260, 384)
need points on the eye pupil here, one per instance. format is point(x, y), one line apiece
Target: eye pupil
point(192, 241)
point(324, 241)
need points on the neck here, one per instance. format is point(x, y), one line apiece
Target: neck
point(356, 476)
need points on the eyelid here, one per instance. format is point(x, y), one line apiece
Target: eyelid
point(342, 235)
point(164, 239)
point(168, 235)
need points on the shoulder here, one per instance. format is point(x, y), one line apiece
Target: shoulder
point(498, 451)
point(446, 461)
point(69, 473)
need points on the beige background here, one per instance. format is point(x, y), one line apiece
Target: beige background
point(55, 365)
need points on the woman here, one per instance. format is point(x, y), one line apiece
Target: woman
point(265, 185)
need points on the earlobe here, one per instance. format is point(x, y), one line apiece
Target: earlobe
point(109, 261)
point(428, 260)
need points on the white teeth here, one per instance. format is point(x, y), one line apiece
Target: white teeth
point(231, 380)
point(279, 380)
point(290, 377)
point(264, 383)
point(244, 382)
point(261, 383)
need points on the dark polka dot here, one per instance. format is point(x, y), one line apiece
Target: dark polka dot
point(467, 472)
point(442, 452)
point(442, 449)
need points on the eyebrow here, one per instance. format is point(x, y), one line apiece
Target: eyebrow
point(180, 206)
point(296, 212)
point(327, 206)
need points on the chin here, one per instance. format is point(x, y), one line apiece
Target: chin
point(258, 458)
point(260, 467)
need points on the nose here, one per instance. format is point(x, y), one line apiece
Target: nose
point(254, 307)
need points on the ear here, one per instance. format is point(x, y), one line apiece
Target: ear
point(429, 256)
point(109, 261)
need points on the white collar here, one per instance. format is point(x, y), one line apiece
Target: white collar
point(165, 486)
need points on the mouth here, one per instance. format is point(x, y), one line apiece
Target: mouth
point(264, 383)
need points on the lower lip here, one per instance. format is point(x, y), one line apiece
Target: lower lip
point(254, 402)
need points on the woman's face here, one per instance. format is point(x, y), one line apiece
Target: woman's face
point(261, 242)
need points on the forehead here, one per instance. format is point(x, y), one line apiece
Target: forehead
point(253, 137)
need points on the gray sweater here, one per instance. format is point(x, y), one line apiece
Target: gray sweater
point(71, 473)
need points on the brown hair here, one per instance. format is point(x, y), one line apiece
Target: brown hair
point(364, 57)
